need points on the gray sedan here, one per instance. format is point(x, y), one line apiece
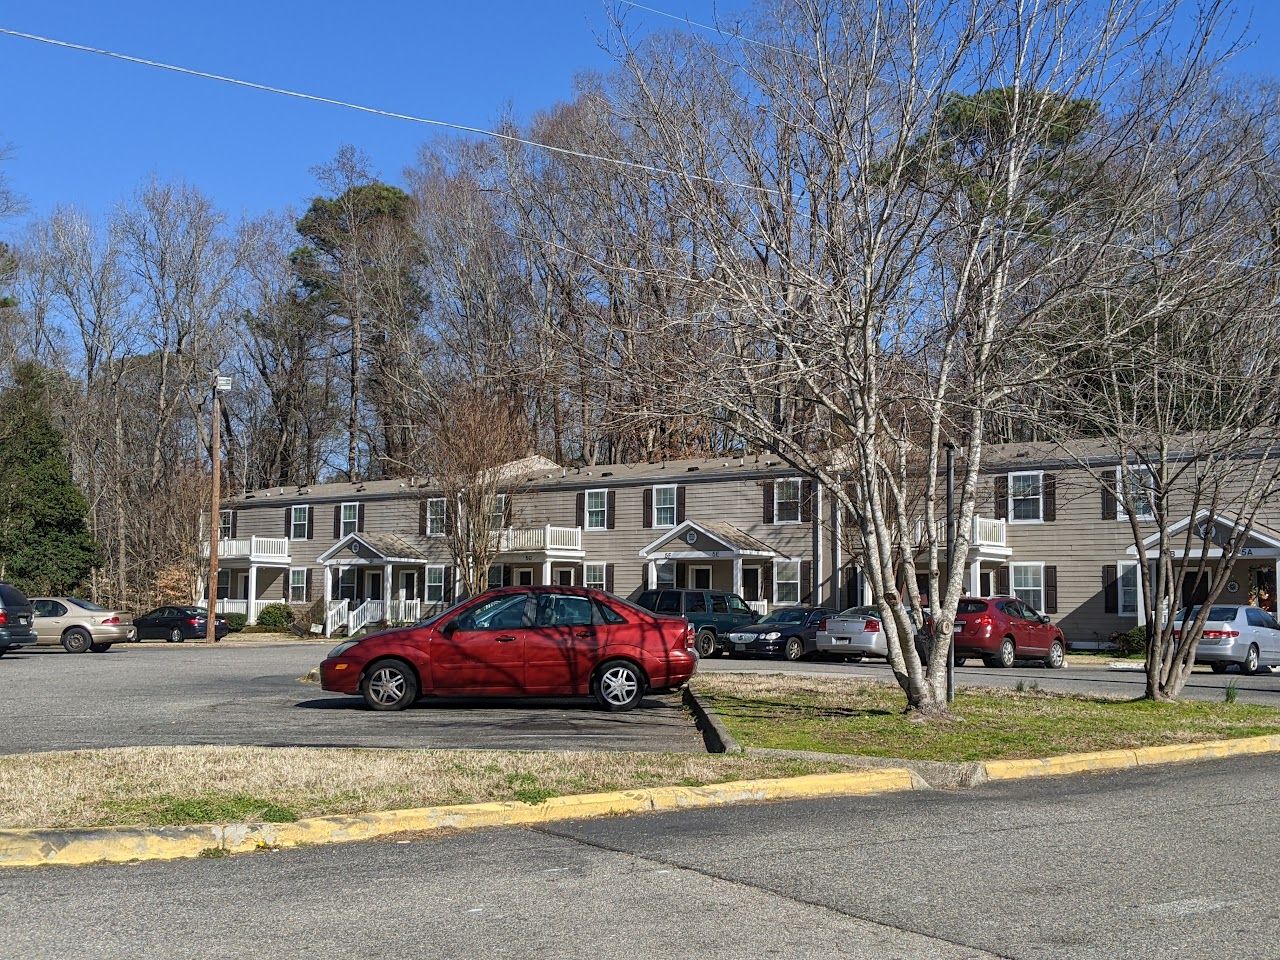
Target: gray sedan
point(856, 632)
point(1246, 636)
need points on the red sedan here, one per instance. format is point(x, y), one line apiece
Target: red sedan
point(519, 642)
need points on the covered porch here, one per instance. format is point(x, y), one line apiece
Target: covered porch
point(371, 579)
point(712, 555)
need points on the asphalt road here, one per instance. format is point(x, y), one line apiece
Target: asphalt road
point(1173, 862)
point(161, 695)
point(1093, 679)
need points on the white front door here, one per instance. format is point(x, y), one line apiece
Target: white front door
point(699, 578)
point(373, 585)
point(408, 584)
point(524, 577)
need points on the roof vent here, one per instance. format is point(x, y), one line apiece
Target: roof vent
point(606, 473)
point(690, 469)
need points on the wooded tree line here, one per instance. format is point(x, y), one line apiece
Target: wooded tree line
point(848, 231)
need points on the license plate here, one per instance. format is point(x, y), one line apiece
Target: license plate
point(957, 626)
point(739, 647)
point(22, 621)
point(839, 640)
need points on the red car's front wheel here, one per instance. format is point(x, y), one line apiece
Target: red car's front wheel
point(389, 685)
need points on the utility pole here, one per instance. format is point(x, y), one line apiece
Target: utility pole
point(220, 384)
point(951, 559)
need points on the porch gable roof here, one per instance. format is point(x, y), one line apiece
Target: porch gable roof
point(708, 537)
point(366, 548)
point(1267, 538)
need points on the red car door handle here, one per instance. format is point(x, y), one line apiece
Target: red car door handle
point(582, 634)
point(505, 639)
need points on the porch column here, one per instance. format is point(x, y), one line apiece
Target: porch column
point(546, 572)
point(651, 574)
point(328, 596)
point(737, 575)
point(252, 605)
point(386, 590)
point(975, 578)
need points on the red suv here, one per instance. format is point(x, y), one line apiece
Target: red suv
point(519, 642)
point(1001, 630)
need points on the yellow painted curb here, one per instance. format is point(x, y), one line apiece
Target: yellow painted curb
point(29, 848)
point(1126, 759)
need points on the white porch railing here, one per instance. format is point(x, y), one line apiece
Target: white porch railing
point(759, 606)
point(335, 616)
point(539, 539)
point(228, 605)
point(988, 532)
point(404, 611)
point(262, 549)
point(368, 612)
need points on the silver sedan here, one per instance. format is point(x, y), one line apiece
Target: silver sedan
point(856, 632)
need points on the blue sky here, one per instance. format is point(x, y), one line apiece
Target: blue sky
point(86, 130)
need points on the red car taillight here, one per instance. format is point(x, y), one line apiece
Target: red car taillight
point(111, 620)
point(871, 626)
point(982, 620)
point(823, 624)
point(4, 618)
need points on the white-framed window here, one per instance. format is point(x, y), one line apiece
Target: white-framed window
point(1026, 497)
point(299, 522)
point(435, 584)
point(666, 573)
point(1128, 588)
point(350, 519)
point(297, 584)
point(347, 584)
point(664, 506)
point(498, 517)
point(224, 584)
point(495, 576)
point(224, 524)
point(597, 509)
point(435, 516)
point(1027, 583)
point(786, 502)
point(1141, 489)
point(593, 576)
point(786, 581)
point(699, 577)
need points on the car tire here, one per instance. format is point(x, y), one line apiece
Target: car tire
point(99, 647)
point(76, 640)
point(960, 661)
point(1007, 655)
point(794, 649)
point(705, 644)
point(1057, 657)
point(175, 636)
point(854, 658)
point(618, 685)
point(1250, 666)
point(389, 685)
point(1219, 667)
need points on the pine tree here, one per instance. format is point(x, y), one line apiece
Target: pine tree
point(45, 544)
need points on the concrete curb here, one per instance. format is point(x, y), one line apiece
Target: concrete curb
point(714, 733)
point(1128, 759)
point(930, 774)
point(30, 848)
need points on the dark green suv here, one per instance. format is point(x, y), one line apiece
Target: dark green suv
point(16, 628)
point(712, 613)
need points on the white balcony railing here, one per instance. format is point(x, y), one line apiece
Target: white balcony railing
point(541, 539)
point(258, 549)
point(988, 532)
point(404, 611)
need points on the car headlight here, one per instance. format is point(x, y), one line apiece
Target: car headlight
point(772, 635)
point(342, 648)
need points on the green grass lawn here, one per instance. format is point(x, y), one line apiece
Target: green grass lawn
point(836, 715)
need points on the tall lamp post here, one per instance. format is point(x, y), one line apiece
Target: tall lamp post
point(221, 385)
point(951, 559)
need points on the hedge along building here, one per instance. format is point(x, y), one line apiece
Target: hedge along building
point(378, 551)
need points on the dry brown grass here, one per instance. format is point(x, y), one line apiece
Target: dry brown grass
point(170, 785)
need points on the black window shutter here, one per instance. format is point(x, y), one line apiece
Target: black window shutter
point(311, 523)
point(647, 520)
point(1002, 581)
point(421, 580)
point(1049, 490)
point(682, 573)
point(337, 521)
point(806, 585)
point(680, 504)
point(422, 518)
point(1110, 588)
point(608, 578)
point(1050, 589)
point(1002, 497)
point(806, 501)
point(1109, 511)
point(309, 584)
point(447, 591)
point(767, 487)
point(288, 523)
point(235, 516)
point(506, 574)
point(766, 582)
point(360, 518)
point(611, 507)
point(506, 510)
point(448, 517)
point(580, 509)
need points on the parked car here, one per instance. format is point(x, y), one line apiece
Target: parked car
point(15, 619)
point(1246, 636)
point(712, 613)
point(80, 625)
point(519, 642)
point(789, 632)
point(175, 624)
point(855, 633)
point(1001, 630)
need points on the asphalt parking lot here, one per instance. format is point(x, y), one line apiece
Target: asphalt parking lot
point(161, 695)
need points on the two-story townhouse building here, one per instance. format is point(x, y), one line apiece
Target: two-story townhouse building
point(1045, 531)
